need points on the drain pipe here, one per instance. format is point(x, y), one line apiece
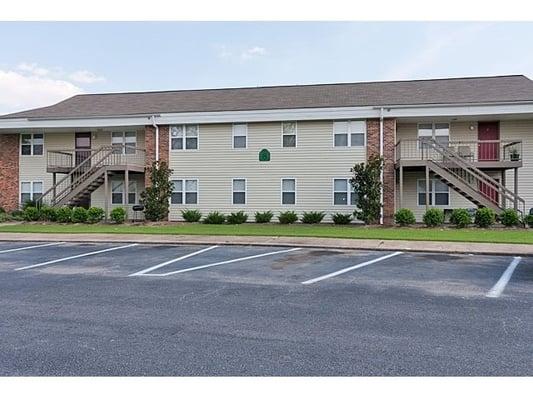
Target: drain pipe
point(152, 118)
point(381, 155)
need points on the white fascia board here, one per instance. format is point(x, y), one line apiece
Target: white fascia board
point(457, 111)
point(24, 123)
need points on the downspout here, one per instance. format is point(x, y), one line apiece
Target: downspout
point(156, 137)
point(381, 155)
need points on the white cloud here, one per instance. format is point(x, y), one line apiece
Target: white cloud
point(84, 76)
point(33, 69)
point(252, 52)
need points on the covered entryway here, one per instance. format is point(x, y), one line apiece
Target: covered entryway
point(489, 133)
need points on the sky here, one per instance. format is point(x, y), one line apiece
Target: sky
point(43, 63)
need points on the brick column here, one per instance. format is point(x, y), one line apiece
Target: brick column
point(9, 171)
point(389, 139)
point(149, 145)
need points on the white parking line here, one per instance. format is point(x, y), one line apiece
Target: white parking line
point(225, 262)
point(145, 271)
point(343, 271)
point(92, 253)
point(499, 287)
point(31, 247)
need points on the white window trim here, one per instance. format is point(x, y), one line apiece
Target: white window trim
point(233, 135)
point(295, 134)
point(123, 150)
point(32, 191)
point(125, 196)
point(295, 191)
point(431, 191)
point(433, 124)
point(184, 191)
point(245, 191)
point(31, 146)
point(350, 192)
point(183, 126)
point(349, 133)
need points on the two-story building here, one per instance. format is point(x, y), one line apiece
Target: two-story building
point(447, 143)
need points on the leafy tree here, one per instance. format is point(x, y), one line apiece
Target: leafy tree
point(155, 197)
point(366, 182)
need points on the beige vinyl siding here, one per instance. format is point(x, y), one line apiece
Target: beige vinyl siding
point(458, 131)
point(98, 196)
point(33, 168)
point(314, 163)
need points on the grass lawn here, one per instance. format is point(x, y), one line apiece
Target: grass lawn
point(499, 235)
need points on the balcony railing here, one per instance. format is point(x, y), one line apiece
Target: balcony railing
point(66, 159)
point(473, 150)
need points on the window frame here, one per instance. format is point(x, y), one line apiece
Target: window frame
point(350, 194)
point(124, 143)
point(349, 133)
point(184, 137)
point(233, 136)
point(433, 131)
point(295, 134)
point(432, 193)
point(233, 191)
point(124, 195)
point(295, 190)
point(32, 145)
point(184, 191)
point(32, 191)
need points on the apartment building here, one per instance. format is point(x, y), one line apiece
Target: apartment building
point(447, 143)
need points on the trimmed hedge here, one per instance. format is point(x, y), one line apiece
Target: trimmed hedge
point(341, 219)
point(215, 218)
point(404, 217)
point(191, 215)
point(31, 214)
point(118, 215)
point(484, 217)
point(79, 215)
point(510, 217)
point(95, 215)
point(433, 217)
point(461, 218)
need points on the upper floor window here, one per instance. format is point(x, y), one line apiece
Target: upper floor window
point(343, 193)
point(117, 192)
point(185, 191)
point(124, 142)
point(288, 191)
point(438, 131)
point(30, 191)
point(349, 133)
point(288, 132)
point(184, 137)
point(239, 191)
point(240, 136)
point(31, 144)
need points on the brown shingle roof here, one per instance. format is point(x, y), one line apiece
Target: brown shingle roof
point(434, 91)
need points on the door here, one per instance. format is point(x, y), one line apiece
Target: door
point(82, 146)
point(489, 131)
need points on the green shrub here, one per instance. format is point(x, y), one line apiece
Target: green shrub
point(48, 213)
point(237, 218)
point(29, 203)
point(215, 218)
point(17, 215)
point(79, 215)
point(529, 220)
point(404, 217)
point(118, 215)
point(484, 217)
point(509, 217)
point(433, 217)
point(2, 210)
point(461, 218)
point(263, 217)
point(313, 217)
point(287, 217)
point(31, 213)
point(63, 214)
point(341, 219)
point(95, 215)
point(155, 197)
point(3, 217)
point(191, 215)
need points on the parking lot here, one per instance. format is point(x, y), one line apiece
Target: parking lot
point(138, 309)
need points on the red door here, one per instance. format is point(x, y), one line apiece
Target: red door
point(489, 151)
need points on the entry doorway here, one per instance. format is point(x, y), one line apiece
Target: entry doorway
point(82, 146)
point(489, 131)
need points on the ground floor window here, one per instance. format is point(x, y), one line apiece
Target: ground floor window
point(185, 191)
point(439, 193)
point(30, 191)
point(288, 191)
point(117, 192)
point(343, 193)
point(239, 191)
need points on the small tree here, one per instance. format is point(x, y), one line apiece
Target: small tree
point(155, 197)
point(366, 182)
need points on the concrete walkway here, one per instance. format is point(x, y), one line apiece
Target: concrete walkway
point(352, 244)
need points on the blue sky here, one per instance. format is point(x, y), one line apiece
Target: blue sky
point(42, 63)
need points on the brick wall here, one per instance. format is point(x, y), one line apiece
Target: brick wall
point(149, 143)
point(389, 139)
point(9, 171)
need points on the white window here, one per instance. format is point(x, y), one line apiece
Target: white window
point(30, 191)
point(31, 144)
point(240, 136)
point(343, 193)
point(349, 133)
point(438, 131)
point(117, 192)
point(239, 191)
point(185, 191)
point(124, 142)
point(184, 137)
point(288, 133)
point(439, 193)
point(288, 191)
